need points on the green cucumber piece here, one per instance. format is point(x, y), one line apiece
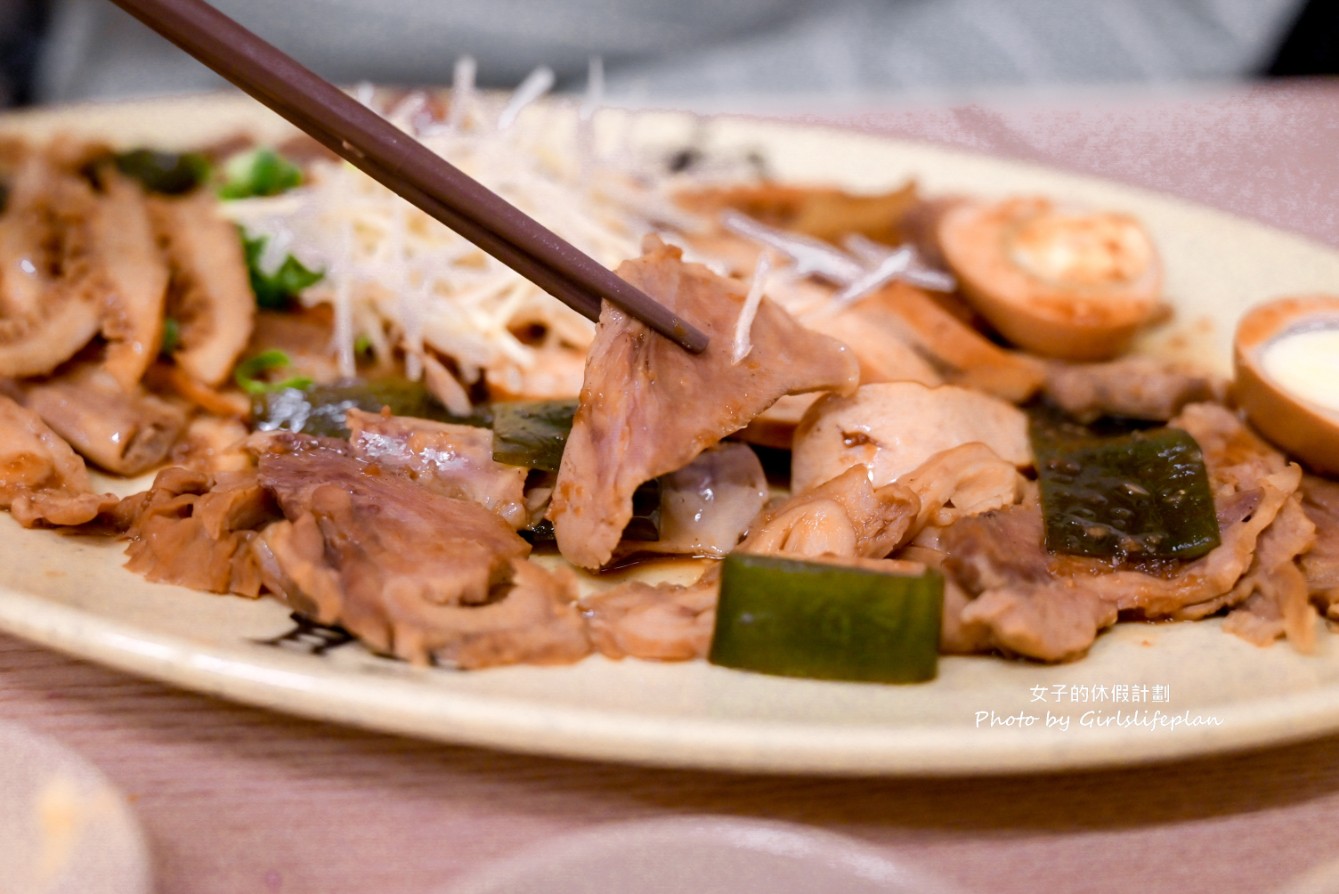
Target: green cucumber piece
point(1143, 495)
point(797, 618)
point(532, 433)
point(320, 409)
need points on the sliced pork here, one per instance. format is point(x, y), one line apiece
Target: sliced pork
point(1136, 387)
point(135, 277)
point(376, 552)
point(1019, 604)
point(50, 296)
point(648, 407)
point(1272, 599)
point(656, 622)
point(209, 294)
point(1320, 502)
point(43, 481)
point(536, 621)
point(123, 431)
point(33, 457)
point(960, 354)
point(195, 529)
point(456, 460)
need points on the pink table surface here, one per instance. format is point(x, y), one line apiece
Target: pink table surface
point(239, 800)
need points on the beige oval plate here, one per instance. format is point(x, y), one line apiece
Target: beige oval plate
point(1147, 692)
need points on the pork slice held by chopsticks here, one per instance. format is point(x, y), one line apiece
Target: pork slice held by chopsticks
point(648, 408)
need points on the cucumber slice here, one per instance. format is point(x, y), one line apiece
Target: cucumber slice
point(320, 409)
point(823, 621)
point(532, 433)
point(1140, 496)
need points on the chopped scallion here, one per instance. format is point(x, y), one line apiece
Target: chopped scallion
point(167, 173)
point(261, 172)
point(277, 289)
point(249, 372)
point(171, 336)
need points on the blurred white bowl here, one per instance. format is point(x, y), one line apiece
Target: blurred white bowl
point(63, 828)
point(698, 855)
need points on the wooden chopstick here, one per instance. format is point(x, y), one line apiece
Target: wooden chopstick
point(403, 164)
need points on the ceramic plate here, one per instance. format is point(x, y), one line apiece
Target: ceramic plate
point(1146, 692)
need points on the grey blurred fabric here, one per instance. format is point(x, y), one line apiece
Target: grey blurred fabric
point(689, 51)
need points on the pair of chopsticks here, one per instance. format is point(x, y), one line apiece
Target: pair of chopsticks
point(402, 164)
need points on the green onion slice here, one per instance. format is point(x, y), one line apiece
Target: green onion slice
point(277, 289)
point(261, 172)
point(167, 173)
point(249, 372)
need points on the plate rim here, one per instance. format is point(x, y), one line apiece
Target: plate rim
point(1311, 713)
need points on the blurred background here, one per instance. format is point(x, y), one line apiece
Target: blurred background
point(697, 53)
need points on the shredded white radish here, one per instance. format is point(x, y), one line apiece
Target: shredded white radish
point(916, 271)
point(405, 283)
point(895, 264)
point(401, 283)
point(810, 256)
point(462, 92)
point(535, 85)
point(590, 104)
point(445, 387)
point(743, 344)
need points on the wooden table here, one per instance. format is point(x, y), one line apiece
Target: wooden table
point(240, 800)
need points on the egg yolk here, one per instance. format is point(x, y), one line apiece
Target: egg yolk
point(1306, 364)
point(1082, 250)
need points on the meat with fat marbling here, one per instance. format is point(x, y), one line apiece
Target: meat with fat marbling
point(209, 294)
point(126, 431)
point(408, 570)
point(1024, 601)
point(51, 299)
point(135, 276)
point(195, 529)
point(1135, 387)
point(42, 480)
point(456, 460)
point(1320, 501)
